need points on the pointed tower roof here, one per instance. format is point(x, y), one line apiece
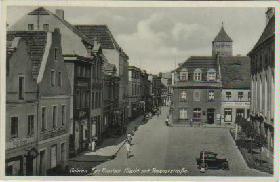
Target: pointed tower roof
point(222, 36)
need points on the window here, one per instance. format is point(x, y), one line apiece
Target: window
point(184, 75)
point(240, 95)
point(211, 75)
point(21, 88)
point(54, 116)
point(44, 121)
point(63, 116)
point(92, 100)
point(183, 96)
point(52, 78)
point(59, 79)
point(183, 113)
point(211, 95)
point(228, 95)
point(62, 155)
point(249, 96)
point(30, 124)
point(197, 74)
point(196, 95)
point(30, 27)
point(14, 127)
point(46, 27)
point(55, 53)
point(53, 156)
point(196, 114)
point(96, 99)
point(228, 114)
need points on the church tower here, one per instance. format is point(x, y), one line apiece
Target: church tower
point(222, 44)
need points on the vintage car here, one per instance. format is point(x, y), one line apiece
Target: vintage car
point(210, 160)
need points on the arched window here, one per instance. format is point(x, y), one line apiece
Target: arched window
point(211, 75)
point(183, 74)
point(197, 74)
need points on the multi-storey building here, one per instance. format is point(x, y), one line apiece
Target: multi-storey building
point(85, 75)
point(197, 91)
point(111, 99)
point(53, 99)
point(236, 95)
point(114, 55)
point(214, 89)
point(263, 82)
point(134, 88)
point(21, 110)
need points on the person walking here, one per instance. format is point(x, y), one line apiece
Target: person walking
point(127, 146)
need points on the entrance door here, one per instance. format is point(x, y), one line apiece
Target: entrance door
point(42, 163)
point(29, 166)
point(210, 116)
point(240, 112)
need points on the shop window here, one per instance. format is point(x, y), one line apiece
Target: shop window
point(228, 115)
point(183, 113)
point(196, 114)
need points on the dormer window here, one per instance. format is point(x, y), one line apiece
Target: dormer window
point(197, 74)
point(211, 75)
point(184, 75)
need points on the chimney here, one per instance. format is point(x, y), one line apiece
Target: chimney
point(60, 13)
point(269, 13)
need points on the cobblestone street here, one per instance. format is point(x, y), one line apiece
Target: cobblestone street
point(160, 147)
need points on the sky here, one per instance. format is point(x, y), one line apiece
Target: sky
point(158, 39)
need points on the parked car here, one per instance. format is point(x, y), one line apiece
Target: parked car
point(210, 160)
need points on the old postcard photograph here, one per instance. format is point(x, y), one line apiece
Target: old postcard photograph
point(140, 91)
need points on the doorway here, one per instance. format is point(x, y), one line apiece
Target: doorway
point(29, 166)
point(42, 163)
point(240, 113)
point(210, 116)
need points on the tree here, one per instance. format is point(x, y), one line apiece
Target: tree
point(260, 141)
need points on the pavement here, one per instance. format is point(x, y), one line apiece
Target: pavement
point(159, 150)
point(108, 149)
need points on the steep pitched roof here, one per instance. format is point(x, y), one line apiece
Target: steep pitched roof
point(102, 34)
point(222, 36)
point(43, 11)
point(235, 72)
point(36, 41)
point(269, 31)
point(199, 60)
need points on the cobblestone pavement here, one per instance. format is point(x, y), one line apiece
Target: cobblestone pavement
point(158, 147)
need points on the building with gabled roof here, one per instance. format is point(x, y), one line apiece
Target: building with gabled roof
point(84, 55)
point(263, 83)
point(51, 91)
point(212, 89)
point(114, 55)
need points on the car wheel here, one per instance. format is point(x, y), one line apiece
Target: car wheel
point(225, 166)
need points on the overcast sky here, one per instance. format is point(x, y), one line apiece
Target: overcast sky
point(156, 39)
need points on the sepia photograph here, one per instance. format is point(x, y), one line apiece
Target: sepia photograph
point(140, 91)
